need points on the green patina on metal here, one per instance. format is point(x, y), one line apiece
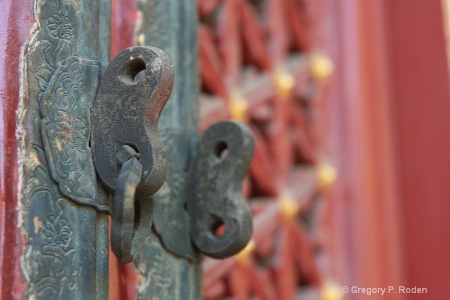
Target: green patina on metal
point(168, 262)
point(63, 209)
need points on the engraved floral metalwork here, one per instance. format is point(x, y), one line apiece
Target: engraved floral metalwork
point(65, 129)
point(61, 205)
point(60, 26)
point(51, 238)
point(58, 235)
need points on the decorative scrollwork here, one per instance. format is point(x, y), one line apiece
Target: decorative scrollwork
point(50, 236)
point(60, 26)
point(59, 85)
point(65, 129)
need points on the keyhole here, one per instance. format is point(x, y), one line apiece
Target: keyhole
point(135, 71)
point(221, 149)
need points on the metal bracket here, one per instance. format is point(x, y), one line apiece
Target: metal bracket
point(132, 93)
point(215, 202)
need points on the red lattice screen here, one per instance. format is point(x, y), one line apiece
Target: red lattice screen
point(257, 66)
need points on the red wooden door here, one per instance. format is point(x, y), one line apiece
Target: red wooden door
point(17, 19)
point(388, 106)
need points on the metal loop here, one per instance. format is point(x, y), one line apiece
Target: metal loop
point(123, 210)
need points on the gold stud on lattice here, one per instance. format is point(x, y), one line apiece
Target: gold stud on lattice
point(284, 83)
point(327, 175)
point(237, 107)
point(288, 207)
point(321, 67)
point(141, 39)
point(244, 257)
point(330, 290)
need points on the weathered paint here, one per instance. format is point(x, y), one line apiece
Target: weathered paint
point(16, 18)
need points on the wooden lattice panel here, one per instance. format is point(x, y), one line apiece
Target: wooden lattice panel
point(257, 67)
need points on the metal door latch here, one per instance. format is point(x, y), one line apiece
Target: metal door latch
point(129, 156)
point(130, 160)
point(215, 201)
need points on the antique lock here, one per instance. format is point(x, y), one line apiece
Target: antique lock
point(130, 160)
